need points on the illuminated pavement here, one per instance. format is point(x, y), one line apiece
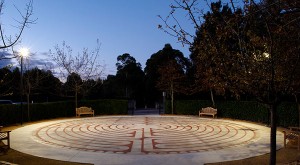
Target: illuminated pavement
point(143, 140)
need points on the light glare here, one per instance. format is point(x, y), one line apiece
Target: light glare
point(24, 52)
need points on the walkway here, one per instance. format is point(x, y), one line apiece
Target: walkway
point(149, 111)
point(143, 140)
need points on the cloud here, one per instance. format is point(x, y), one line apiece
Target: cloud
point(4, 61)
point(40, 61)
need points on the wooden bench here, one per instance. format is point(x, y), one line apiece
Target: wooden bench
point(208, 111)
point(84, 111)
point(4, 136)
point(293, 135)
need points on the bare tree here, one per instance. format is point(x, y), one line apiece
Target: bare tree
point(84, 65)
point(8, 41)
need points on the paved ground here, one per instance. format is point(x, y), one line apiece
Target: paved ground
point(143, 140)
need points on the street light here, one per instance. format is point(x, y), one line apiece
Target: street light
point(164, 102)
point(24, 52)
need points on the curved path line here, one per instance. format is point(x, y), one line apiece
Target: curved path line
point(144, 140)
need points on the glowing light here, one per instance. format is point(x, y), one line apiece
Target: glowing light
point(24, 52)
point(266, 55)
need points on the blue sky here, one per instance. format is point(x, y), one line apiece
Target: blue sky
point(122, 26)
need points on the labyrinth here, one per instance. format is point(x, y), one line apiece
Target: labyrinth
point(146, 135)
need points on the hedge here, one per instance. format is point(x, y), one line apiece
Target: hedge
point(11, 114)
point(107, 107)
point(287, 112)
point(244, 110)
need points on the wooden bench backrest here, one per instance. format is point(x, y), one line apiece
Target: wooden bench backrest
point(83, 109)
point(209, 110)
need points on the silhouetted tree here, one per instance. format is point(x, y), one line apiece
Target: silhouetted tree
point(73, 85)
point(130, 77)
point(93, 91)
point(111, 87)
point(6, 79)
point(158, 60)
point(41, 83)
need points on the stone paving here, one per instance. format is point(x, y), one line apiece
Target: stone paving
point(143, 140)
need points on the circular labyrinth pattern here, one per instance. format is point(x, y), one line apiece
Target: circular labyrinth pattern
point(146, 135)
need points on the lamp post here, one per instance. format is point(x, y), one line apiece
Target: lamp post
point(164, 102)
point(24, 52)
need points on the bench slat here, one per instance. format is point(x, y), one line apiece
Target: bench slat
point(208, 111)
point(84, 111)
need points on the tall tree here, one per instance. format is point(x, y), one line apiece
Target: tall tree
point(81, 67)
point(130, 77)
point(111, 88)
point(166, 56)
point(6, 79)
point(254, 50)
point(41, 83)
point(209, 44)
point(171, 80)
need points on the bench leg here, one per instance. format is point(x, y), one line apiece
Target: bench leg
point(298, 142)
point(8, 141)
point(284, 139)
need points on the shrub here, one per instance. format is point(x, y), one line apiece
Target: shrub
point(107, 107)
point(287, 112)
point(11, 114)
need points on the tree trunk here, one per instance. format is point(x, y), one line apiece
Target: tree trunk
point(172, 98)
point(76, 93)
point(28, 111)
point(298, 112)
point(272, 108)
point(296, 99)
point(28, 99)
point(212, 98)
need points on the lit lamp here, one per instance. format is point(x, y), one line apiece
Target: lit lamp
point(24, 52)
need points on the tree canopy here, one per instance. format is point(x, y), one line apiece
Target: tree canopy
point(131, 78)
point(156, 71)
point(249, 50)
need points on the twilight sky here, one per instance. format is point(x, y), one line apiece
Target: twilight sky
point(122, 26)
